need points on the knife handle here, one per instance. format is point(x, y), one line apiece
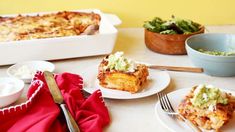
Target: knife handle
point(71, 123)
point(177, 68)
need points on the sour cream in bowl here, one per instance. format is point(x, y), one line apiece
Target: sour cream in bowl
point(26, 70)
point(10, 90)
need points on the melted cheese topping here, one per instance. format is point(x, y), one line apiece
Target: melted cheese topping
point(46, 26)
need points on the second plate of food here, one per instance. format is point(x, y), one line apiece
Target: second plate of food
point(174, 124)
point(156, 82)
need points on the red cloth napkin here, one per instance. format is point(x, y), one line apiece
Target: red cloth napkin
point(39, 113)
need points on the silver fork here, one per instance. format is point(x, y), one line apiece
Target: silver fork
point(167, 107)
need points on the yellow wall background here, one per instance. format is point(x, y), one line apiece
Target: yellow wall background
point(134, 12)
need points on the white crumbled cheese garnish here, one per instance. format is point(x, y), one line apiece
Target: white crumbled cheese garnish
point(211, 107)
point(198, 89)
point(132, 65)
point(119, 54)
point(205, 97)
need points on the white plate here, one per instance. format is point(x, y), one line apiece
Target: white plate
point(178, 126)
point(157, 81)
point(29, 67)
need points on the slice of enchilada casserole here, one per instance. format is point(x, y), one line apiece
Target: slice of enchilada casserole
point(208, 107)
point(120, 73)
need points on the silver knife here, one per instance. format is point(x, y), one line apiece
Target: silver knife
point(58, 98)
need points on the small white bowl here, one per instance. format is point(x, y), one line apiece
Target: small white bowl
point(26, 70)
point(10, 90)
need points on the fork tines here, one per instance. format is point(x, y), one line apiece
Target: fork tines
point(167, 107)
point(165, 103)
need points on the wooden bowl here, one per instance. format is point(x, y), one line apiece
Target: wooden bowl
point(168, 43)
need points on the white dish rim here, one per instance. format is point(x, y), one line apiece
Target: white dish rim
point(19, 64)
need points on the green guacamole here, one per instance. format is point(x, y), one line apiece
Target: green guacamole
point(118, 62)
point(207, 95)
point(217, 53)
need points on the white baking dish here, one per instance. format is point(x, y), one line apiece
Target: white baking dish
point(63, 47)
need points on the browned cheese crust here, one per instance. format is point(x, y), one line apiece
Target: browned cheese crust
point(125, 81)
point(52, 25)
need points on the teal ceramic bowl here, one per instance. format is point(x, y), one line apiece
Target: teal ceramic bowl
point(223, 66)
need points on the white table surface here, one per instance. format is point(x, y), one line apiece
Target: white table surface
point(137, 115)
